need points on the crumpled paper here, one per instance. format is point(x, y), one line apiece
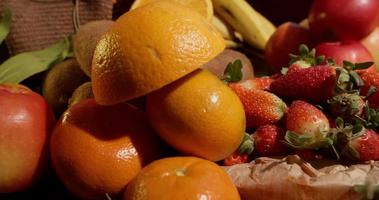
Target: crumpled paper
point(291, 178)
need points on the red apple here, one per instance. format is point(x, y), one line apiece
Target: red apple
point(343, 19)
point(286, 39)
point(25, 123)
point(371, 42)
point(352, 51)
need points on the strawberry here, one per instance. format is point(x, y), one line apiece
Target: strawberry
point(316, 80)
point(236, 158)
point(346, 105)
point(370, 80)
point(261, 107)
point(364, 146)
point(268, 141)
point(314, 84)
point(307, 126)
point(259, 83)
point(241, 155)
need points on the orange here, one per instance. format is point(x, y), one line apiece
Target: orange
point(181, 178)
point(150, 47)
point(203, 7)
point(198, 115)
point(98, 149)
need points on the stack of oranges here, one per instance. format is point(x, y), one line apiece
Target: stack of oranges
point(101, 146)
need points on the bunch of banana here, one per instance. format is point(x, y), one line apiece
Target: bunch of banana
point(236, 20)
point(254, 28)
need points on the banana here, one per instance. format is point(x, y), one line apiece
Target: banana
point(255, 28)
point(225, 29)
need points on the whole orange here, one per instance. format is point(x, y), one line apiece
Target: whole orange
point(98, 149)
point(181, 178)
point(149, 47)
point(198, 115)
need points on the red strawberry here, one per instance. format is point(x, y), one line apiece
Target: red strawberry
point(314, 84)
point(307, 126)
point(260, 83)
point(261, 107)
point(370, 80)
point(236, 158)
point(365, 147)
point(268, 141)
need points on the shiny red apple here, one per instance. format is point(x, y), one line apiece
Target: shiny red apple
point(343, 19)
point(286, 39)
point(352, 51)
point(25, 123)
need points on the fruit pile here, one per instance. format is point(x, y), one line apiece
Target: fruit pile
point(153, 104)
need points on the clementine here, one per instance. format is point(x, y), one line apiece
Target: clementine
point(198, 115)
point(98, 149)
point(181, 178)
point(149, 47)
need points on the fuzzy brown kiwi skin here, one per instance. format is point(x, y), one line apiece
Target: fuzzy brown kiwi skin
point(83, 92)
point(60, 82)
point(85, 41)
point(218, 64)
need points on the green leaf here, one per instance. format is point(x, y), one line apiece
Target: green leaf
point(24, 65)
point(303, 50)
point(5, 24)
point(339, 123)
point(356, 78)
point(363, 65)
point(348, 65)
point(247, 145)
point(233, 72)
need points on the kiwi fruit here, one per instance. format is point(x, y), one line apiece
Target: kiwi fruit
point(218, 64)
point(84, 91)
point(60, 82)
point(85, 41)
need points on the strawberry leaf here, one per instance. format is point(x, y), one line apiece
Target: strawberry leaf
point(233, 72)
point(247, 145)
point(363, 65)
point(357, 80)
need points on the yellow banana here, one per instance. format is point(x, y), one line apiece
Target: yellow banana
point(255, 28)
point(225, 29)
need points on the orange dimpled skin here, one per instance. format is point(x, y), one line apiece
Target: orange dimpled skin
point(99, 149)
point(150, 47)
point(177, 178)
point(198, 115)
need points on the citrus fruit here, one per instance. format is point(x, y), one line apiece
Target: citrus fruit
point(150, 47)
point(181, 178)
point(203, 7)
point(198, 115)
point(99, 149)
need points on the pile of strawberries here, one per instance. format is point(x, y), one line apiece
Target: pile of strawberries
point(314, 108)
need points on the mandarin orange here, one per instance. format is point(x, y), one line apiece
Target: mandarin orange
point(181, 178)
point(98, 149)
point(150, 47)
point(198, 115)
